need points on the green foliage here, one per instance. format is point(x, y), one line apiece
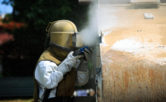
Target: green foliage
point(8, 18)
point(39, 12)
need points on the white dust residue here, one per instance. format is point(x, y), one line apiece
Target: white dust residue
point(127, 45)
point(146, 49)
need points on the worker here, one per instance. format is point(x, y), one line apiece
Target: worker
point(58, 70)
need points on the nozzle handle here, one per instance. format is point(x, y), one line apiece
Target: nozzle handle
point(80, 51)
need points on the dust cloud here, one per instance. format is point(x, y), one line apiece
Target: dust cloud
point(89, 33)
point(99, 20)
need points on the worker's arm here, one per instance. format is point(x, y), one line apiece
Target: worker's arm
point(82, 74)
point(48, 74)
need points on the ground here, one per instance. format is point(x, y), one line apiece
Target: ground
point(17, 100)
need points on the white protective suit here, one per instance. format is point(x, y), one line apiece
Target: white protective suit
point(48, 74)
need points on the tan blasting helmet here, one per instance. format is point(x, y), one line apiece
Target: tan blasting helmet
point(63, 33)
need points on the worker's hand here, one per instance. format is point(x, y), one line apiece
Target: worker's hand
point(70, 62)
point(87, 52)
point(73, 61)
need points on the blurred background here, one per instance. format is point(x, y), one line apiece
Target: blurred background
point(23, 38)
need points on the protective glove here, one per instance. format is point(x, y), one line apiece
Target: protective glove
point(73, 61)
point(70, 62)
point(87, 52)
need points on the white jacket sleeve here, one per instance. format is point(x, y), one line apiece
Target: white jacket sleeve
point(70, 62)
point(47, 75)
point(82, 74)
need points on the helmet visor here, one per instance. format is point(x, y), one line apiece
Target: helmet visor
point(76, 40)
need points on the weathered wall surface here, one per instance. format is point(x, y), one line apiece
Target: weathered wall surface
point(133, 54)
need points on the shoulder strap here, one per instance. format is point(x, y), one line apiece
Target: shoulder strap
point(47, 55)
point(46, 94)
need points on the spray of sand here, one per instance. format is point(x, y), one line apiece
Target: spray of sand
point(99, 20)
point(89, 33)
